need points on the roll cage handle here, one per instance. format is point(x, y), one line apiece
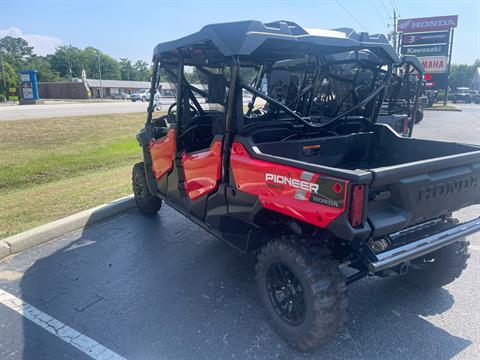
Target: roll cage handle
point(153, 86)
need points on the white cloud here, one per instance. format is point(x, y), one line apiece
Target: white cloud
point(42, 45)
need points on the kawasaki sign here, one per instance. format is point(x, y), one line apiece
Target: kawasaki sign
point(430, 50)
point(427, 24)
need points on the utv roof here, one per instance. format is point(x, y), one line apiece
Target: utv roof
point(371, 42)
point(270, 41)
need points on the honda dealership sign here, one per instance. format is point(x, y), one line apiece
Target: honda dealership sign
point(427, 24)
point(431, 40)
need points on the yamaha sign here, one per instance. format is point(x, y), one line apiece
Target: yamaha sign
point(427, 24)
point(434, 64)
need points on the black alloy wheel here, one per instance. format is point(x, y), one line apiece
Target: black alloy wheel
point(286, 294)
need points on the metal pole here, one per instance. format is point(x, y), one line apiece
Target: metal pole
point(153, 87)
point(394, 30)
point(100, 74)
point(450, 45)
point(4, 81)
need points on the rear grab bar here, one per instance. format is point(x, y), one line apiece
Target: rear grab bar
point(424, 246)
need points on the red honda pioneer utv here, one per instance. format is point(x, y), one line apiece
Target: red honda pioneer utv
point(316, 192)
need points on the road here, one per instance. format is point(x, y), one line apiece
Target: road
point(17, 112)
point(161, 288)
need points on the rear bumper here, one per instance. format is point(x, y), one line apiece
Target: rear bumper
point(424, 246)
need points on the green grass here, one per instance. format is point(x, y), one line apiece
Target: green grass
point(52, 168)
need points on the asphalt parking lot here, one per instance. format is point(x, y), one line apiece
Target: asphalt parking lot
point(161, 288)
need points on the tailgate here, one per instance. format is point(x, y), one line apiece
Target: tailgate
point(411, 193)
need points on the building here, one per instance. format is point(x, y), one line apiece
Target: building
point(115, 87)
point(76, 89)
point(476, 80)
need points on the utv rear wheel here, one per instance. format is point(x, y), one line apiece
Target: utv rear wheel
point(147, 203)
point(303, 291)
point(418, 116)
point(440, 267)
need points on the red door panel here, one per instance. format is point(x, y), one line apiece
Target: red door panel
point(310, 197)
point(202, 170)
point(163, 152)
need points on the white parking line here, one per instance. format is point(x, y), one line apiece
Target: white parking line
point(59, 329)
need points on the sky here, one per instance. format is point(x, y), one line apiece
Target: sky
point(131, 28)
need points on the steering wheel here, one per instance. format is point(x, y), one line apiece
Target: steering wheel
point(172, 113)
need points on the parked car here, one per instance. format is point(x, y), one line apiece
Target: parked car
point(121, 96)
point(475, 96)
point(142, 95)
point(310, 182)
point(462, 94)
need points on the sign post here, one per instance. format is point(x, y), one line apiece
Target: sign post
point(445, 99)
point(431, 40)
point(29, 87)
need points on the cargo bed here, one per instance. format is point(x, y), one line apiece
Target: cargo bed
point(411, 180)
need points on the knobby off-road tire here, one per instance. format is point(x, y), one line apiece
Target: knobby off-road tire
point(147, 203)
point(317, 275)
point(441, 267)
point(419, 117)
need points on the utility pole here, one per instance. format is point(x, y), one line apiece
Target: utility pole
point(100, 75)
point(393, 34)
point(394, 30)
point(4, 81)
point(450, 45)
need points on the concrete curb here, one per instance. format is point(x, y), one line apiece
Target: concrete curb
point(443, 109)
point(39, 235)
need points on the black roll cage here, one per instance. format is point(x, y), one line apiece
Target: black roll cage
point(262, 68)
point(405, 79)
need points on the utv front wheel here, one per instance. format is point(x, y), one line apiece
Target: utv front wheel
point(303, 291)
point(147, 203)
point(440, 267)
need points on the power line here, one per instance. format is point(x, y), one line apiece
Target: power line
point(350, 14)
point(380, 15)
point(396, 7)
point(385, 8)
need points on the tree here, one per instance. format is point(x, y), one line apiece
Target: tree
point(109, 67)
point(15, 51)
point(142, 71)
point(67, 61)
point(44, 69)
point(126, 69)
point(11, 78)
point(462, 75)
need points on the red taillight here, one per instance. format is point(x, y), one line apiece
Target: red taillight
point(356, 205)
point(337, 188)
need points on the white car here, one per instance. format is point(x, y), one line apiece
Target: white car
point(143, 95)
